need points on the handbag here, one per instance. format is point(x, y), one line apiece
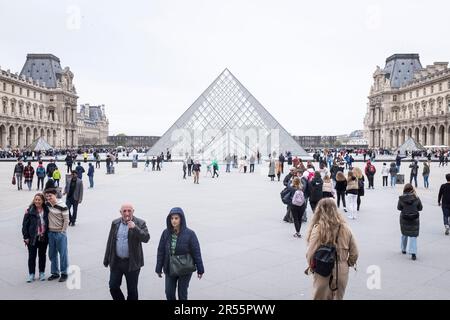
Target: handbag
point(13, 180)
point(181, 265)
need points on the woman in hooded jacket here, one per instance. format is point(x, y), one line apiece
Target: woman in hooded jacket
point(409, 205)
point(176, 240)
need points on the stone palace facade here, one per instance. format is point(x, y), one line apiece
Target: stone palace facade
point(93, 126)
point(407, 100)
point(40, 101)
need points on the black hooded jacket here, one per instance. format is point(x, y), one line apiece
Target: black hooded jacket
point(187, 242)
point(409, 205)
point(315, 189)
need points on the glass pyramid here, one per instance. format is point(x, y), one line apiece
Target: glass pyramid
point(226, 119)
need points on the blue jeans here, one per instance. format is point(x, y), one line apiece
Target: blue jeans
point(228, 167)
point(425, 182)
point(91, 181)
point(171, 286)
point(412, 244)
point(393, 181)
point(446, 214)
point(57, 243)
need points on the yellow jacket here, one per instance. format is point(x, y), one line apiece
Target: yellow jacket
point(56, 175)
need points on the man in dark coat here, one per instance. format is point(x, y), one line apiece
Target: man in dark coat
point(414, 171)
point(124, 254)
point(69, 163)
point(74, 192)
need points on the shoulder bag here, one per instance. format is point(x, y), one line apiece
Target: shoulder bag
point(181, 265)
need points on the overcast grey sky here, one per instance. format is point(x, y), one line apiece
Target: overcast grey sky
point(309, 63)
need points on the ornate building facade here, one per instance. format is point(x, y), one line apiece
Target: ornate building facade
point(93, 126)
point(407, 100)
point(41, 101)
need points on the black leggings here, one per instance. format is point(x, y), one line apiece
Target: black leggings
point(297, 213)
point(370, 178)
point(41, 247)
point(358, 202)
point(385, 181)
point(341, 194)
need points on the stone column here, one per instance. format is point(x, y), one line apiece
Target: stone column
point(446, 142)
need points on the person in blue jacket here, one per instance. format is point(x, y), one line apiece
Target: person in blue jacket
point(177, 239)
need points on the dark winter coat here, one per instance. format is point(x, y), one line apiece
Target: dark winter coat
point(136, 236)
point(18, 168)
point(393, 170)
point(341, 186)
point(287, 179)
point(187, 242)
point(50, 168)
point(30, 224)
point(315, 187)
point(414, 169)
point(409, 205)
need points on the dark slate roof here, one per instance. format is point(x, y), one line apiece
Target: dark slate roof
point(400, 68)
point(95, 113)
point(43, 67)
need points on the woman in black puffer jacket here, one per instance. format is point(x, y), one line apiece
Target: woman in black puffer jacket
point(409, 205)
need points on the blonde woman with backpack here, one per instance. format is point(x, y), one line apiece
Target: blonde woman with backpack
point(298, 205)
point(328, 228)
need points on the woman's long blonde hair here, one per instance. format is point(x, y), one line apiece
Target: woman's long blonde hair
point(328, 219)
point(357, 172)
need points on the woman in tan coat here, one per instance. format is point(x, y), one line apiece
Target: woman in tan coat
point(324, 228)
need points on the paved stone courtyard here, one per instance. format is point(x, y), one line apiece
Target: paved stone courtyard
point(248, 252)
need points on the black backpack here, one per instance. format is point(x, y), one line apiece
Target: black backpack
point(286, 195)
point(325, 258)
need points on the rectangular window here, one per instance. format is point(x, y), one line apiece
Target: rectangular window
point(20, 91)
point(34, 94)
point(448, 84)
point(28, 92)
point(410, 94)
point(432, 88)
point(424, 91)
point(394, 97)
point(404, 96)
point(417, 93)
point(12, 88)
point(4, 86)
point(40, 96)
point(440, 86)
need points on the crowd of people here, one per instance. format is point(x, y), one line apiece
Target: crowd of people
point(331, 246)
point(330, 185)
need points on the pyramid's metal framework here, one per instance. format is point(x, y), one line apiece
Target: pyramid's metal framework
point(226, 119)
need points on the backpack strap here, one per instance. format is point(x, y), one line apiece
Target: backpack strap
point(337, 265)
